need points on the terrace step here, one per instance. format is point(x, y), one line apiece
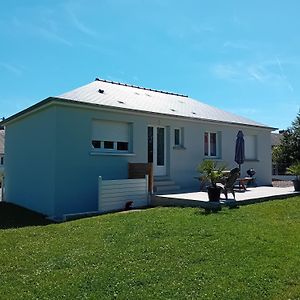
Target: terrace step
point(167, 189)
point(164, 184)
point(161, 178)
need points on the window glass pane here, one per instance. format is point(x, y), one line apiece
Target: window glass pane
point(108, 145)
point(177, 137)
point(122, 146)
point(160, 146)
point(96, 144)
point(206, 143)
point(150, 144)
point(213, 144)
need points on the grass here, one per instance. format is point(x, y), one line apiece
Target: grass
point(160, 253)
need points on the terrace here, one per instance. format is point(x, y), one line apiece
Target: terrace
point(200, 199)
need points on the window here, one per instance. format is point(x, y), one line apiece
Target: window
point(211, 144)
point(123, 146)
point(250, 147)
point(109, 136)
point(178, 138)
point(96, 144)
point(108, 145)
point(2, 160)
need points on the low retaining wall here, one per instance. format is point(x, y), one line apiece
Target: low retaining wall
point(283, 177)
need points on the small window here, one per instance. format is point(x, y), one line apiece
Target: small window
point(96, 144)
point(210, 144)
point(177, 137)
point(1, 160)
point(122, 146)
point(108, 145)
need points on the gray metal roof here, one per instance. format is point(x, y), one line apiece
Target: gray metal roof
point(2, 137)
point(276, 139)
point(118, 95)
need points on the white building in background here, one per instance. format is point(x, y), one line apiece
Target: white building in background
point(2, 137)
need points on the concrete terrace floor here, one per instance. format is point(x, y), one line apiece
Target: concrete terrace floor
point(252, 195)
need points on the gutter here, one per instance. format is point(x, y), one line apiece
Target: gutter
point(27, 111)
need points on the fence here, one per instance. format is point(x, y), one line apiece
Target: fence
point(140, 170)
point(117, 194)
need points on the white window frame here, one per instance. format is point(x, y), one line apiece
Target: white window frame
point(209, 145)
point(114, 149)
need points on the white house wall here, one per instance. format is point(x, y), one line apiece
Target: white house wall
point(30, 161)
point(51, 167)
point(78, 168)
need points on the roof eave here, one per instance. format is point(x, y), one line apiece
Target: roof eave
point(26, 111)
point(56, 99)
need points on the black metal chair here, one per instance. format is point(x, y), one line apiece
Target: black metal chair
point(228, 185)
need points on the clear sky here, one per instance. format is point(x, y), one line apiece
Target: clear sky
point(240, 56)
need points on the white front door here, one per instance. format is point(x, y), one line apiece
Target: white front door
point(157, 149)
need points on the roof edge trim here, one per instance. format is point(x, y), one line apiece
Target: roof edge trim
point(26, 111)
point(58, 100)
point(74, 102)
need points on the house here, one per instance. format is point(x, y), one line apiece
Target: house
point(2, 136)
point(57, 148)
point(276, 138)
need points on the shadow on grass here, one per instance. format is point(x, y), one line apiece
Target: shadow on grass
point(216, 209)
point(14, 216)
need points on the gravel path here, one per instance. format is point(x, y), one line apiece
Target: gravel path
point(282, 183)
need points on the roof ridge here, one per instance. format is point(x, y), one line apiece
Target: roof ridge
point(140, 87)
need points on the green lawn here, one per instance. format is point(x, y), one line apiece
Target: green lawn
point(161, 253)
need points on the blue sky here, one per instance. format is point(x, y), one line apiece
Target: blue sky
point(241, 56)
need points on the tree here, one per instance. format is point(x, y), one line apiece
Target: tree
point(295, 141)
point(288, 151)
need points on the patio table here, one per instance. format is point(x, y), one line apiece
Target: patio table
point(242, 182)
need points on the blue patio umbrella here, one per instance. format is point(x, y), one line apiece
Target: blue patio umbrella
point(239, 149)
